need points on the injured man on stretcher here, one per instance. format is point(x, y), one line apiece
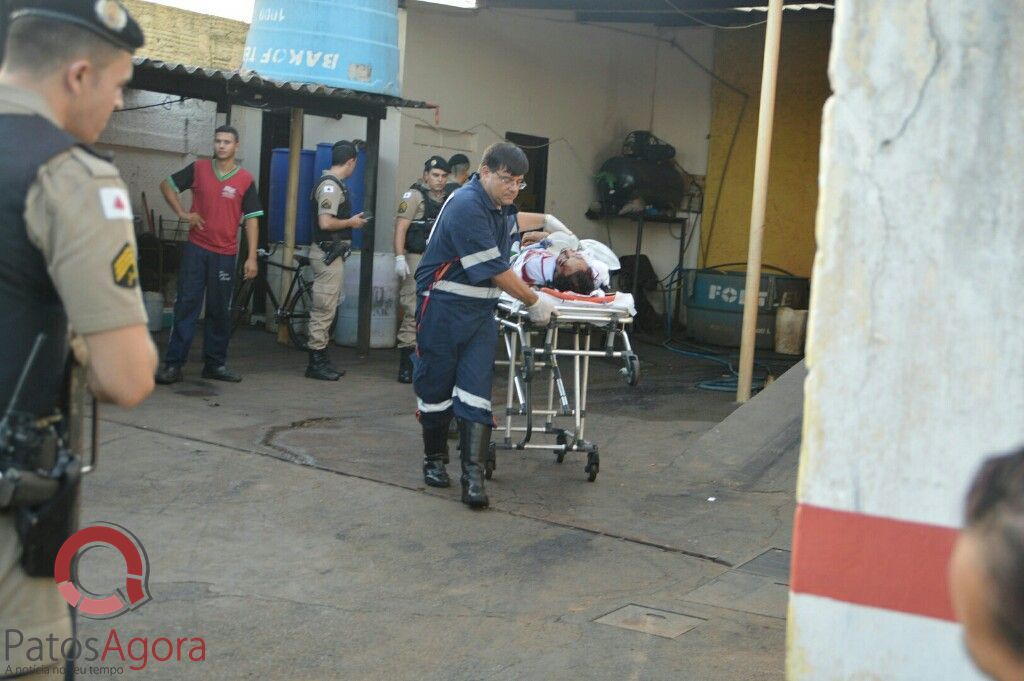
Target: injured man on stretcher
point(562, 262)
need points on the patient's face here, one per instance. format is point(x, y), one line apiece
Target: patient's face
point(569, 261)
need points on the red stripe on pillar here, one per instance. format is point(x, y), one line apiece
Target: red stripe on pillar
point(873, 561)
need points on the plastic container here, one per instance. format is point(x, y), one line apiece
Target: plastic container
point(341, 43)
point(154, 302)
point(384, 317)
point(279, 195)
point(355, 184)
point(790, 331)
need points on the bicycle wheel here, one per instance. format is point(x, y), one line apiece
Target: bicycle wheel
point(240, 301)
point(297, 313)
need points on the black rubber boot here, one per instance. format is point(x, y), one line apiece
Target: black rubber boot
point(320, 367)
point(169, 374)
point(474, 438)
point(405, 365)
point(435, 456)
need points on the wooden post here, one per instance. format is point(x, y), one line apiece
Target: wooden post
point(766, 114)
point(369, 234)
point(291, 210)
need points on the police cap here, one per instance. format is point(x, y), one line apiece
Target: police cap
point(435, 163)
point(106, 18)
point(458, 159)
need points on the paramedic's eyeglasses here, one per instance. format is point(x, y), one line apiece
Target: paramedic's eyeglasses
point(510, 181)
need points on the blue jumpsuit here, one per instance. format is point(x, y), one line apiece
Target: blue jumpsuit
point(456, 333)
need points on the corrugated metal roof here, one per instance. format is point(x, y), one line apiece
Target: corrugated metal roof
point(184, 79)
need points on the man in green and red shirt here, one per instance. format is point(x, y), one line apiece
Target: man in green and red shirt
point(223, 193)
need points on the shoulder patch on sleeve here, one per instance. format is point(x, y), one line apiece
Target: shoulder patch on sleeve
point(115, 202)
point(326, 203)
point(403, 206)
point(328, 188)
point(123, 267)
point(407, 195)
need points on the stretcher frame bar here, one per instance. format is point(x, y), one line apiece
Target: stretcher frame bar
point(518, 335)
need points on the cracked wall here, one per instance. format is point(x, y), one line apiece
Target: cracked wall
point(916, 335)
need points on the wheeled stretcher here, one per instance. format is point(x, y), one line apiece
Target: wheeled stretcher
point(534, 354)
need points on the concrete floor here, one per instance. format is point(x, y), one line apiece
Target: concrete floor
point(286, 524)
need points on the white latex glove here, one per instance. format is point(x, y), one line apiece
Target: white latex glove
point(540, 312)
point(553, 224)
point(401, 267)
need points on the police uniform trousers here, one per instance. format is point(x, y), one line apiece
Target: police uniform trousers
point(202, 272)
point(328, 283)
point(30, 605)
point(454, 361)
point(407, 299)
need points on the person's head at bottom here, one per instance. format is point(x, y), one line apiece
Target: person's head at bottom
point(987, 568)
point(572, 273)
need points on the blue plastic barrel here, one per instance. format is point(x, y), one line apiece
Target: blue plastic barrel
point(341, 43)
point(279, 195)
point(355, 184)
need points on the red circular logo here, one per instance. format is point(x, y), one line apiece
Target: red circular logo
point(103, 606)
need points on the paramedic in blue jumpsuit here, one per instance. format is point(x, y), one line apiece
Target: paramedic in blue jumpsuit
point(458, 281)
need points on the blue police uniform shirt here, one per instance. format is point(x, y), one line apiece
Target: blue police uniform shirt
point(473, 237)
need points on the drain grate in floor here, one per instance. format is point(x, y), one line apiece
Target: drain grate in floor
point(651, 621)
point(773, 564)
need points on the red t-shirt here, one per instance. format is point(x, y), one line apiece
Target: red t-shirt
point(222, 201)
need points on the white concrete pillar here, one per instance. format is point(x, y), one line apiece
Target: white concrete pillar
point(916, 337)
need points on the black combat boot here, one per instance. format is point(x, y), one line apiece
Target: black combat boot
point(405, 365)
point(171, 373)
point(320, 367)
point(474, 439)
point(435, 456)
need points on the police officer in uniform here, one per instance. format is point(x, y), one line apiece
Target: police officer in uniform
point(68, 258)
point(334, 224)
point(458, 172)
point(417, 210)
point(462, 273)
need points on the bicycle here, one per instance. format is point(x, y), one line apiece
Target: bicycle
point(298, 299)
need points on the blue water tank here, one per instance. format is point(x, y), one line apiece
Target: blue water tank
point(341, 43)
point(279, 195)
point(355, 184)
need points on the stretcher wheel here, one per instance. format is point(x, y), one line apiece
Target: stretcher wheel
point(632, 369)
point(561, 440)
point(593, 466)
point(492, 461)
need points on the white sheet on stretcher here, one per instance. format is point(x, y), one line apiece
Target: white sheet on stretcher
point(623, 303)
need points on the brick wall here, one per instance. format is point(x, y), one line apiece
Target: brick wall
point(176, 35)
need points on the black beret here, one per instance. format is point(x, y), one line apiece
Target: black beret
point(106, 18)
point(437, 162)
point(458, 159)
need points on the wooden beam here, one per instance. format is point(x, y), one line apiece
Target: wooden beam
point(765, 118)
point(369, 235)
point(290, 211)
